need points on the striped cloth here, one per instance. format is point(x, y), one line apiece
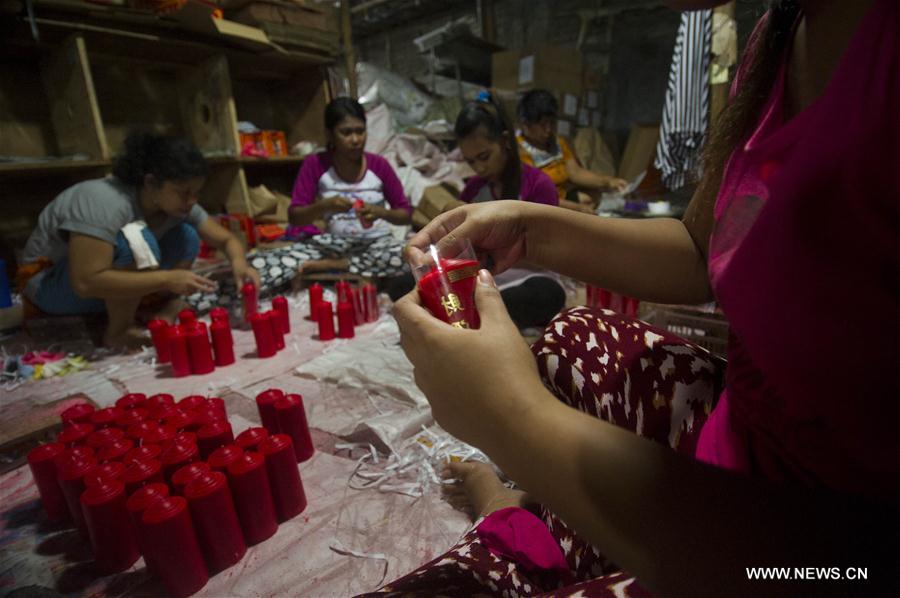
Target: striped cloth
point(685, 114)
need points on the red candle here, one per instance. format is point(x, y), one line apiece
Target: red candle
point(187, 317)
point(207, 415)
point(181, 420)
point(101, 438)
point(78, 414)
point(139, 473)
point(145, 452)
point(131, 417)
point(199, 349)
point(107, 471)
point(372, 309)
point(74, 434)
point(104, 418)
point(159, 334)
point(115, 450)
point(250, 438)
point(326, 321)
point(186, 474)
point(359, 312)
point(448, 291)
point(277, 333)
point(159, 400)
point(223, 343)
point(284, 476)
point(70, 470)
point(215, 520)
point(250, 301)
point(163, 412)
point(262, 332)
point(315, 297)
point(42, 461)
point(81, 452)
point(252, 497)
point(358, 205)
point(345, 320)
point(191, 402)
point(217, 403)
point(132, 400)
point(177, 455)
point(212, 436)
point(292, 421)
point(138, 432)
point(172, 544)
point(184, 437)
point(280, 307)
point(112, 537)
point(218, 314)
point(136, 504)
point(178, 352)
point(158, 434)
point(265, 403)
point(224, 456)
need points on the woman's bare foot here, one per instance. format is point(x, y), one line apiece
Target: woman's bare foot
point(132, 338)
point(480, 489)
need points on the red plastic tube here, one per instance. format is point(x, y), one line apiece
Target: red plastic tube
point(145, 452)
point(345, 318)
point(315, 297)
point(326, 321)
point(173, 547)
point(131, 417)
point(140, 473)
point(249, 299)
point(42, 461)
point(213, 435)
point(199, 349)
point(218, 314)
point(132, 400)
point(284, 476)
point(292, 421)
point(115, 450)
point(224, 456)
point(187, 317)
point(78, 414)
point(159, 334)
point(215, 520)
point(277, 332)
point(280, 306)
point(223, 343)
point(175, 456)
point(262, 332)
point(265, 403)
point(107, 471)
point(112, 537)
point(185, 475)
point(159, 400)
point(74, 434)
point(252, 495)
point(250, 438)
point(136, 504)
point(104, 418)
point(178, 352)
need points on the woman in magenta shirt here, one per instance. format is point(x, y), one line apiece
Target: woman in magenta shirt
point(795, 231)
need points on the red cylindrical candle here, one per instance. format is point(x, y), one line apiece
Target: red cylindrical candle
point(177, 455)
point(74, 434)
point(162, 412)
point(326, 321)
point(183, 437)
point(107, 471)
point(70, 472)
point(217, 403)
point(199, 350)
point(250, 438)
point(315, 297)
point(158, 434)
point(131, 417)
point(103, 418)
point(136, 504)
point(42, 461)
point(81, 452)
point(215, 520)
point(138, 432)
point(178, 352)
point(145, 452)
point(252, 494)
point(218, 314)
point(191, 402)
point(250, 300)
point(277, 333)
point(115, 450)
point(101, 438)
point(207, 415)
point(112, 537)
point(280, 307)
point(78, 414)
point(292, 421)
point(131, 400)
point(187, 317)
point(265, 403)
point(448, 291)
point(342, 287)
point(139, 473)
point(172, 544)
point(224, 456)
point(223, 343)
point(159, 334)
point(213, 435)
point(370, 294)
point(359, 312)
point(188, 473)
point(345, 320)
point(358, 205)
point(181, 420)
point(262, 332)
point(158, 400)
point(284, 476)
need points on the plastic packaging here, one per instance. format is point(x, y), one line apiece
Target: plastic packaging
point(446, 283)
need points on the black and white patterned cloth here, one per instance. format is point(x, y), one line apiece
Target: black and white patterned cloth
point(378, 258)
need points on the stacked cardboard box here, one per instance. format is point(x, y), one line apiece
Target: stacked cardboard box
point(589, 114)
point(290, 22)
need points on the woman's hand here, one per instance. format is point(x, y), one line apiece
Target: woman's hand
point(244, 272)
point(617, 184)
point(370, 213)
point(337, 204)
point(474, 379)
point(185, 282)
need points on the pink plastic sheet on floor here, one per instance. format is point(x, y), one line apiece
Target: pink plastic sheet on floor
point(347, 541)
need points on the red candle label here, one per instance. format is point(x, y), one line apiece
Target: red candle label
point(448, 292)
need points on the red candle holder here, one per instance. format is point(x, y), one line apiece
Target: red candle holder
point(188, 473)
point(115, 450)
point(223, 343)
point(284, 476)
point(280, 306)
point(252, 495)
point(159, 334)
point(315, 297)
point(101, 438)
point(178, 352)
point(187, 317)
point(277, 333)
point(70, 470)
point(199, 350)
point(132, 400)
point(136, 504)
point(215, 520)
point(250, 438)
point(158, 400)
point(262, 332)
point(74, 434)
point(212, 436)
point(109, 527)
point(139, 473)
point(292, 421)
point(145, 452)
point(446, 283)
point(219, 314)
point(78, 414)
point(326, 321)
point(131, 417)
point(172, 544)
point(224, 456)
point(175, 456)
point(104, 418)
point(250, 300)
point(265, 404)
point(42, 461)
point(107, 471)
point(345, 318)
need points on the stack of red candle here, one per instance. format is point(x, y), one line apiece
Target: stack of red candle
point(354, 308)
point(187, 345)
point(270, 328)
point(166, 480)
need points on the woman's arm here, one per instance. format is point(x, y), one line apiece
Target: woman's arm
point(216, 235)
point(586, 179)
point(395, 215)
point(300, 215)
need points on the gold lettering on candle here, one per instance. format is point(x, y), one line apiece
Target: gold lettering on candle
point(461, 324)
point(451, 304)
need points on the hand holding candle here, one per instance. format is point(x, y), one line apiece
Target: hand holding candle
point(446, 282)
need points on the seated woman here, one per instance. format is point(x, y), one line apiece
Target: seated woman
point(111, 242)
point(358, 238)
point(540, 146)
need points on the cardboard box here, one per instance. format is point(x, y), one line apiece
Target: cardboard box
point(565, 128)
point(197, 16)
point(438, 199)
point(541, 67)
point(281, 11)
point(639, 150)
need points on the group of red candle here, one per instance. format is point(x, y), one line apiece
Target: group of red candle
point(597, 297)
point(355, 307)
point(270, 327)
point(171, 482)
point(187, 346)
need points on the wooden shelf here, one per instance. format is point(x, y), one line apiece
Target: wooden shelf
point(276, 161)
point(31, 169)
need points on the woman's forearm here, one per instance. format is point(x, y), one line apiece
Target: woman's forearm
point(302, 215)
point(234, 251)
point(120, 284)
point(398, 216)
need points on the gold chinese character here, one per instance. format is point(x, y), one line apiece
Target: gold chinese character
point(462, 324)
point(451, 304)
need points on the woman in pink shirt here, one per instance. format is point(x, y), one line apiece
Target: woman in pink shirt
point(795, 231)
